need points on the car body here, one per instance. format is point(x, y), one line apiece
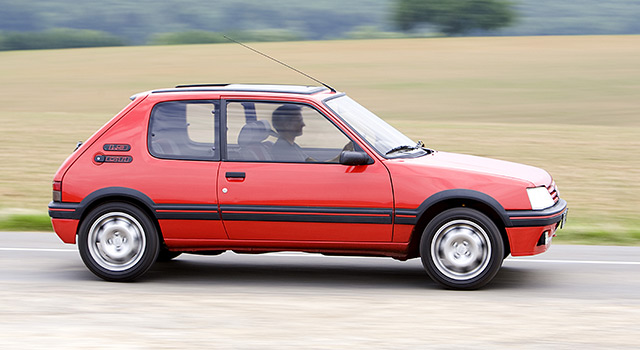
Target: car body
point(261, 168)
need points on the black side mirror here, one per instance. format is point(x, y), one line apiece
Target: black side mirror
point(355, 158)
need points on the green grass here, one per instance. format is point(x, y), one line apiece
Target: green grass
point(566, 104)
point(25, 222)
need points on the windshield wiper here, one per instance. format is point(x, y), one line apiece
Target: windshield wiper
point(418, 145)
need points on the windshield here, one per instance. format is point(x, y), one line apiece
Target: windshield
point(384, 138)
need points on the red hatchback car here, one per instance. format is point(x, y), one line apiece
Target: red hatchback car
point(261, 168)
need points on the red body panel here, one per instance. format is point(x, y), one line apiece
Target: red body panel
point(315, 185)
point(307, 231)
point(176, 230)
point(74, 156)
point(402, 233)
point(330, 208)
point(419, 178)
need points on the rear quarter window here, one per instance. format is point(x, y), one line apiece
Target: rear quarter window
point(184, 130)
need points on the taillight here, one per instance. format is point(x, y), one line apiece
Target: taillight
point(57, 191)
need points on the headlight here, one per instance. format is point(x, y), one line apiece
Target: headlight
point(539, 198)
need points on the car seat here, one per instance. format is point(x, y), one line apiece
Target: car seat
point(251, 140)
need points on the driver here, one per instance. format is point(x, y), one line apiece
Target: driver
point(288, 122)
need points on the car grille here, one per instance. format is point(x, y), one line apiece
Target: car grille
point(553, 191)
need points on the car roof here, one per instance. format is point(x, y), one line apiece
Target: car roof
point(274, 88)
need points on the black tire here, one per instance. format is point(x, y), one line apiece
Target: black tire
point(165, 255)
point(118, 242)
point(461, 248)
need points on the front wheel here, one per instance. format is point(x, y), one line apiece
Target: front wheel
point(118, 242)
point(461, 248)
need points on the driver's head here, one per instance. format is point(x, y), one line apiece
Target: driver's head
point(287, 119)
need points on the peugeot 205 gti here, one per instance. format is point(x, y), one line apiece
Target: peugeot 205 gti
point(203, 169)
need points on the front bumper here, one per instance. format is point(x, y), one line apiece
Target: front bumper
point(531, 231)
point(544, 217)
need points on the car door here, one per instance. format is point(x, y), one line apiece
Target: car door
point(281, 179)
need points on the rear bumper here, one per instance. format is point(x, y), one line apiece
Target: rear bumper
point(64, 219)
point(66, 229)
point(60, 210)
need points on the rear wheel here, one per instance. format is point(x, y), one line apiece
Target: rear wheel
point(118, 242)
point(461, 248)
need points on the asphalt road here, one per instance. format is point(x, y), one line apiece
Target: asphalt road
point(570, 297)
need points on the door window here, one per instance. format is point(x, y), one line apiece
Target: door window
point(282, 132)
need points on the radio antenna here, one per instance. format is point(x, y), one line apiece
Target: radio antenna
point(282, 63)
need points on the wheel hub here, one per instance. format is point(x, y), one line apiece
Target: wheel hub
point(116, 241)
point(461, 249)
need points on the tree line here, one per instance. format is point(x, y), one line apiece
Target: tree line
point(65, 23)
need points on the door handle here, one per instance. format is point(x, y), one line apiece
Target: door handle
point(235, 175)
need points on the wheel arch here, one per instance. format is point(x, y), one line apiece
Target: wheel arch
point(458, 198)
point(119, 194)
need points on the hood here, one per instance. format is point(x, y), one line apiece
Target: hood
point(489, 166)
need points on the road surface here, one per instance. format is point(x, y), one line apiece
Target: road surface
point(570, 297)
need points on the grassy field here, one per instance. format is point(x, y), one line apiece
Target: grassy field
point(568, 104)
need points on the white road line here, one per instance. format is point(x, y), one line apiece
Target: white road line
point(597, 262)
point(603, 262)
point(36, 250)
point(298, 254)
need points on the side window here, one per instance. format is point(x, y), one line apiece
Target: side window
point(282, 132)
point(184, 130)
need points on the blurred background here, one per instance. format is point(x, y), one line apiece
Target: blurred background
point(555, 84)
point(37, 24)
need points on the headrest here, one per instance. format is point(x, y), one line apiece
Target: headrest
point(255, 132)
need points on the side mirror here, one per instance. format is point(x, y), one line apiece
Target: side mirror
point(355, 158)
